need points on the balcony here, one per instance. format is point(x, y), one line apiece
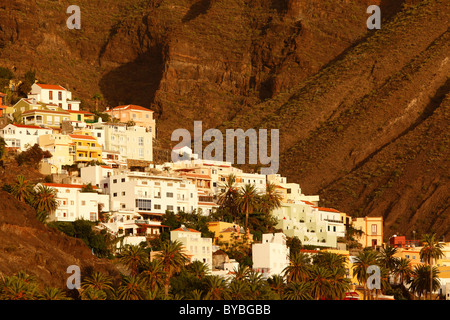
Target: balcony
point(88, 159)
point(88, 148)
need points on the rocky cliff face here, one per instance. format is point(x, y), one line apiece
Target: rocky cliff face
point(344, 98)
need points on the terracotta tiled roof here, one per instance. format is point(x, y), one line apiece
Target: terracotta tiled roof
point(129, 107)
point(45, 111)
point(30, 127)
point(186, 229)
point(50, 86)
point(80, 136)
point(326, 209)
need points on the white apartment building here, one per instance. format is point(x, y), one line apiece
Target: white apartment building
point(54, 94)
point(312, 225)
point(218, 171)
point(292, 191)
point(132, 226)
point(97, 176)
point(22, 136)
point(150, 194)
point(74, 204)
point(198, 248)
point(132, 142)
point(271, 256)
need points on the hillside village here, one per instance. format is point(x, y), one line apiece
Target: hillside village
point(102, 170)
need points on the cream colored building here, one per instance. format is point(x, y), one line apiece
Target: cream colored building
point(61, 147)
point(197, 248)
point(372, 228)
point(143, 117)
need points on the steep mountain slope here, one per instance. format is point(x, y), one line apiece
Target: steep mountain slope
point(350, 104)
point(28, 245)
point(349, 119)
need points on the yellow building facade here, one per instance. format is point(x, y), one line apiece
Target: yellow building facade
point(226, 233)
point(87, 148)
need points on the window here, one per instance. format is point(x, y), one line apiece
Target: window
point(123, 193)
point(123, 180)
point(50, 95)
point(115, 194)
point(170, 208)
point(141, 141)
point(83, 203)
point(157, 207)
point(144, 204)
point(169, 194)
point(59, 95)
point(374, 229)
point(115, 181)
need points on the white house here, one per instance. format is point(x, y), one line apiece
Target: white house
point(312, 225)
point(150, 194)
point(271, 256)
point(54, 94)
point(198, 248)
point(74, 204)
point(96, 175)
point(22, 136)
point(132, 142)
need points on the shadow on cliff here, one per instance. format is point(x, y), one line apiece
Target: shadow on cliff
point(198, 8)
point(134, 82)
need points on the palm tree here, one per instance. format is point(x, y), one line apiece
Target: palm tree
point(319, 279)
point(431, 249)
point(256, 284)
point(240, 274)
point(248, 199)
point(93, 294)
point(217, 288)
point(22, 189)
point(18, 287)
point(52, 294)
point(228, 197)
point(195, 295)
point(298, 291)
point(420, 279)
point(44, 199)
point(276, 283)
point(153, 273)
point(298, 269)
point(198, 269)
point(132, 256)
point(271, 200)
point(403, 270)
point(97, 97)
point(237, 290)
point(339, 283)
point(132, 288)
point(173, 258)
point(97, 281)
point(387, 258)
point(363, 260)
